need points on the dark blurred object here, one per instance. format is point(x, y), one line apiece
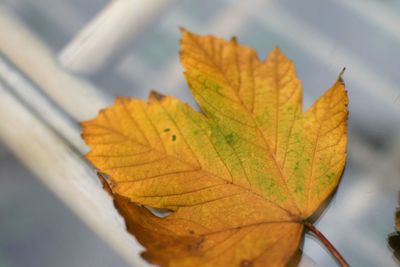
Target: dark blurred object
point(394, 238)
point(394, 243)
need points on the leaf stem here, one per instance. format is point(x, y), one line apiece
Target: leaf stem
point(339, 258)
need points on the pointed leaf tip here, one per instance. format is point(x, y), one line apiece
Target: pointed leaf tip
point(154, 95)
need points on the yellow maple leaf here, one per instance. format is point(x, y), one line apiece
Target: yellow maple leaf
point(241, 177)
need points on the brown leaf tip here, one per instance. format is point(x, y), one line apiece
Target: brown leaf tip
point(106, 184)
point(156, 95)
point(246, 263)
point(341, 75)
point(234, 39)
point(182, 29)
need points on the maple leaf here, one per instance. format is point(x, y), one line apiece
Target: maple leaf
point(241, 177)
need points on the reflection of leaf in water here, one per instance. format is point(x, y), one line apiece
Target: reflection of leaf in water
point(394, 238)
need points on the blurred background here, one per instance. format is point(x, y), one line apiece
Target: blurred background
point(140, 52)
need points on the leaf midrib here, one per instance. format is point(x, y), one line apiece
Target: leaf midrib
point(221, 71)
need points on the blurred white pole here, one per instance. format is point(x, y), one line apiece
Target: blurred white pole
point(302, 34)
point(108, 33)
point(379, 12)
point(22, 88)
point(59, 167)
point(79, 98)
point(40, 135)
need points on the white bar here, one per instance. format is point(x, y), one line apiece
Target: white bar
point(77, 97)
point(109, 32)
point(65, 173)
point(358, 71)
point(43, 151)
point(39, 103)
point(378, 12)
